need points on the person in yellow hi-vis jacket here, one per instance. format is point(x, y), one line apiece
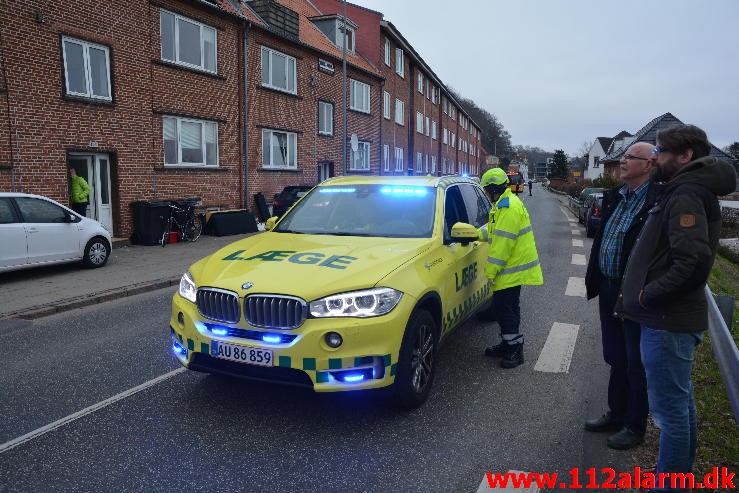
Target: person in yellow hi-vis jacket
point(512, 262)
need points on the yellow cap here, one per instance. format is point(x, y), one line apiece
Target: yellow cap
point(495, 176)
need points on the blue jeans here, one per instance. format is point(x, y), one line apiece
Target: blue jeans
point(668, 361)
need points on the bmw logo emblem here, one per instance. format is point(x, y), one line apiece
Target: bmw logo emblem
point(246, 285)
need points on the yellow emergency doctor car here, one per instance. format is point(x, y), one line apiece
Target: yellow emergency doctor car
point(353, 288)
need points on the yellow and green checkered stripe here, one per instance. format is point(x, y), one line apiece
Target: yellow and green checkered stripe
point(460, 312)
point(319, 367)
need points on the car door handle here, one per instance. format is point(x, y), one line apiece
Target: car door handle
point(32, 230)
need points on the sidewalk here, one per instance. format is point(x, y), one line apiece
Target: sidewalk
point(132, 269)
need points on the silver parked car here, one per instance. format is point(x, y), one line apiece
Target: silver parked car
point(36, 231)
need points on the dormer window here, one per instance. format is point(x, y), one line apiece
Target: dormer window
point(339, 29)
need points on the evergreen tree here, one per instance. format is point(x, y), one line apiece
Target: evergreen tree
point(559, 165)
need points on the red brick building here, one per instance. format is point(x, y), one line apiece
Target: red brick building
point(104, 88)
point(164, 99)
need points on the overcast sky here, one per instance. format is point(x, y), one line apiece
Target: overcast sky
point(558, 73)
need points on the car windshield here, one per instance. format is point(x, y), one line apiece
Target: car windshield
point(364, 210)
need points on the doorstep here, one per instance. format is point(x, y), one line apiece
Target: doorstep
point(121, 242)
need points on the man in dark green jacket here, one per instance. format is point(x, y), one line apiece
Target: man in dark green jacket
point(663, 286)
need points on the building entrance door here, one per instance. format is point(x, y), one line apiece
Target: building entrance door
point(95, 169)
point(325, 170)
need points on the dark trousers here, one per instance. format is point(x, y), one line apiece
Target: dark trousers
point(80, 208)
point(627, 385)
point(507, 311)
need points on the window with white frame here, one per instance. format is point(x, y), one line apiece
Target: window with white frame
point(426, 163)
point(596, 161)
point(387, 52)
point(428, 90)
point(325, 118)
point(279, 149)
point(454, 139)
point(419, 122)
point(419, 162)
point(278, 71)
point(433, 129)
point(428, 126)
point(361, 157)
point(386, 104)
point(399, 62)
point(360, 96)
point(420, 82)
point(445, 136)
point(190, 142)
point(349, 36)
point(187, 42)
point(386, 157)
point(444, 105)
point(86, 69)
point(433, 164)
point(398, 159)
point(399, 112)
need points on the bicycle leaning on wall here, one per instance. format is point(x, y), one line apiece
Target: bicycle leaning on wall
point(189, 226)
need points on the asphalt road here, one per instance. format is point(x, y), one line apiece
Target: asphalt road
point(195, 432)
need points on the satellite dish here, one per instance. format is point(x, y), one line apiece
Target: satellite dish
point(355, 142)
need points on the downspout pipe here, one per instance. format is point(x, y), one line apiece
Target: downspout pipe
point(245, 125)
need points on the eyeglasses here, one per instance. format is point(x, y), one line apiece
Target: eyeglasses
point(659, 149)
point(629, 156)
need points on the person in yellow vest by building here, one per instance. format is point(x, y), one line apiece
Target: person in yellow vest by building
point(512, 262)
point(80, 193)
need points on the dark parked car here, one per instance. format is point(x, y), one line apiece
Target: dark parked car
point(583, 202)
point(592, 216)
point(285, 199)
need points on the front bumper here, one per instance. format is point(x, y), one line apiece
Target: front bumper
point(366, 359)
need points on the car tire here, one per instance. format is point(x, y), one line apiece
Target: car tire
point(97, 252)
point(416, 365)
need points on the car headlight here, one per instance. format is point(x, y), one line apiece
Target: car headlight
point(366, 303)
point(187, 287)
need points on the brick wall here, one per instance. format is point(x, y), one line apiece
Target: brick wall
point(272, 109)
point(45, 124)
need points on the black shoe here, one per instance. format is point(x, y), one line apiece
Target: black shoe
point(497, 351)
point(625, 439)
point(604, 423)
point(513, 356)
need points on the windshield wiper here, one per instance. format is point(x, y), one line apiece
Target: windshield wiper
point(289, 231)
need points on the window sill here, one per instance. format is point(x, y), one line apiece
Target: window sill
point(279, 91)
point(281, 170)
point(325, 135)
point(164, 63)
point(88, 101)
point(167, 168)
point(361, 112)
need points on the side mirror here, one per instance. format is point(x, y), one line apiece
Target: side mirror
point(464, 233)
point(271, 222)
point(71, 218)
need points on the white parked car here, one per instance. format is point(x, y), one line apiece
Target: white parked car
point(36, 231)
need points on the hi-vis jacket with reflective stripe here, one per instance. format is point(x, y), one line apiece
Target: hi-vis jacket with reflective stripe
point(512, 258)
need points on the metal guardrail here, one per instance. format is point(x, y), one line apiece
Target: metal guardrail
point(725, 352)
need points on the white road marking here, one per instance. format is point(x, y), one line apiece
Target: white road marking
point(565, 212)
point(556, 355)
point(575, 287)
point(578, 259)
point(577, 243)
point(484, 486)
point(79, 414)
point(576, 232)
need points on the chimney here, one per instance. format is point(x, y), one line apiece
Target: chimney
point(278, 16)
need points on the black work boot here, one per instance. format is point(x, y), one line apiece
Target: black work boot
point(513, 356)
point(497, 351)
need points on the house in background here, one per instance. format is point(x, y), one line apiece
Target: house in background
point(648, 133)
point(596, 152)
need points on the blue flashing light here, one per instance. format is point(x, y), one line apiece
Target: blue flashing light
point(219, 331)
point(403, 191)
point(336, 190)
point(201, 327)
point(178, 349)
point(351, 378)
point(272, 339)
point(466, 175)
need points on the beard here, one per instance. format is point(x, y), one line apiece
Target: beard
point(662, 172)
